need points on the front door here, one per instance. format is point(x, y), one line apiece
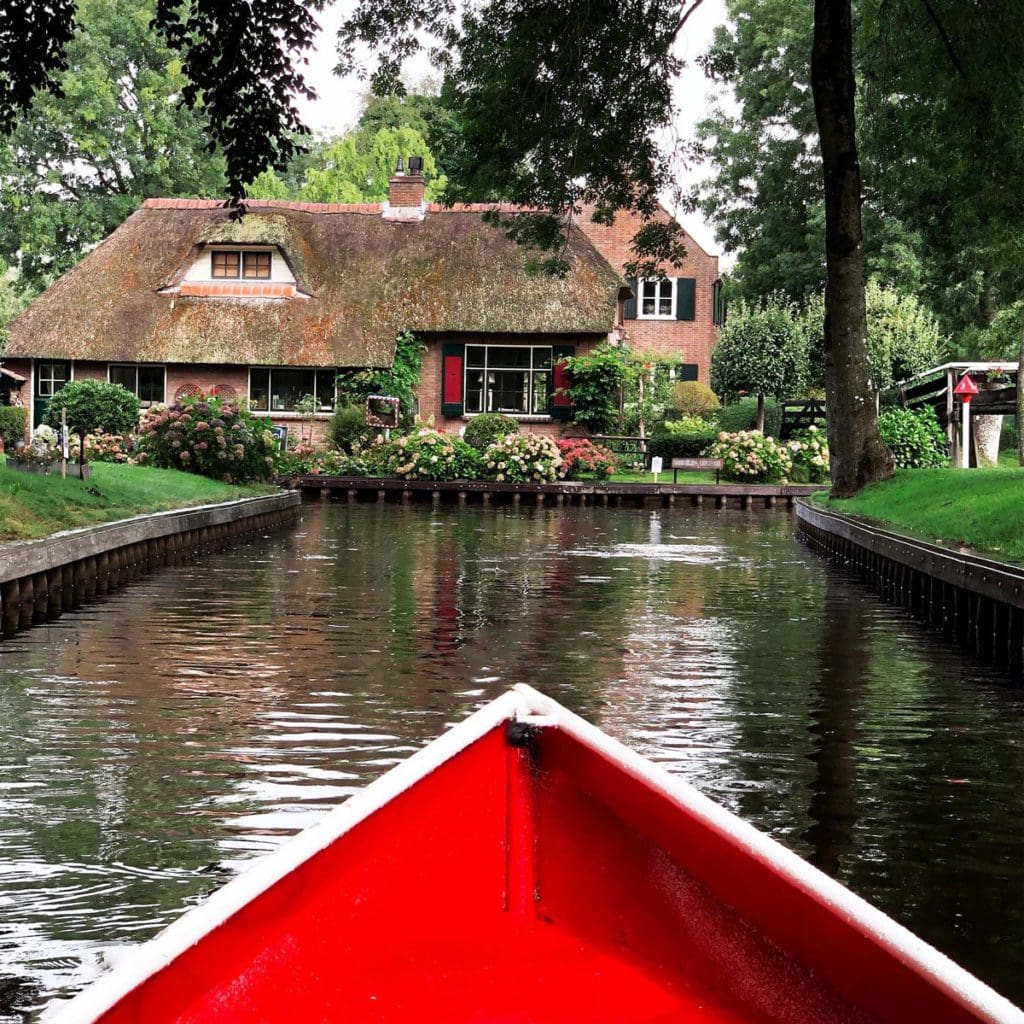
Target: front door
point(50, 378)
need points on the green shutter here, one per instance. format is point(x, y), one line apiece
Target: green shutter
point(717, 304)
point(629, 312)
point(686, 298)
point(453, 368)
point(560, 404)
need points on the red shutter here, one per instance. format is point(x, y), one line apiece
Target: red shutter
point(452, 362)
point(561, 404)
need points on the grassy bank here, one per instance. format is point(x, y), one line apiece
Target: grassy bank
point(978, 508)
point(34, 506)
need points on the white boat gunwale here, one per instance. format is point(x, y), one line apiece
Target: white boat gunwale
point(523, 703)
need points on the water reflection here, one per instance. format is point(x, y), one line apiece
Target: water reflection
point(151, 745)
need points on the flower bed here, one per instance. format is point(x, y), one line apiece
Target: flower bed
point(522, 458)
point(425, 454)
point(581, 457)
point(750, 457)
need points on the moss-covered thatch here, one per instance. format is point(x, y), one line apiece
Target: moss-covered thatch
point(367, 279)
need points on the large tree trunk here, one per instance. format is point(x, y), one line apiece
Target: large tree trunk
point(857, 454)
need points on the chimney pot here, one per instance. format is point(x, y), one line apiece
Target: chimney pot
point(406, 192)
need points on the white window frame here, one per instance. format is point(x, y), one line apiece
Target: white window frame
point(135, 366)
point(487, 367)
point(332, 370)
point(672, 283)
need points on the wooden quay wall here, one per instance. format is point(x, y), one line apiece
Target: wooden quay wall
point(41, 579)
point(749, 497)
point(977, 601)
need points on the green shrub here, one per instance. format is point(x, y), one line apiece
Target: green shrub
point(751, 457)
point(596, 383)
point(12, 423)
point(483, 430)
point(347, 428)
point(692, 398)
point(914, 437)
point(94, 406)
point(683, 438)
point(742, 415)
point(808, 450)
point(522, 458)
point(425, 455)
point(210, 436)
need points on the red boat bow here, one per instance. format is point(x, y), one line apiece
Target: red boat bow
point(526, 867)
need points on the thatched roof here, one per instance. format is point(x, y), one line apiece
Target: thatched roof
point(367, 278)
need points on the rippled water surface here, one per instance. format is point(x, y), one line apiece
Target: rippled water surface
point(152, 744)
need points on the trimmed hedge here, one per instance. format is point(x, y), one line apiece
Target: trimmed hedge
point(742, 415)
point(483, 430)
point(12, 423)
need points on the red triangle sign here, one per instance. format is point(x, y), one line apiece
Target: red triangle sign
point(966, 388)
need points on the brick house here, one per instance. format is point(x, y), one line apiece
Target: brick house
point(676, 317)
point(182, 298)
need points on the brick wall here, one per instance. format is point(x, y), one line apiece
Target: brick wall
point(429, 391)
point(690, 341)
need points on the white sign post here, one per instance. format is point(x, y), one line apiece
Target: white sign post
point(966, 389)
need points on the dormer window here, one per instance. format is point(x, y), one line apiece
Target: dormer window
point(236, 264)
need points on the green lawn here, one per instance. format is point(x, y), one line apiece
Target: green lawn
point(664, 477)
point(34, 506)
point(978, 508)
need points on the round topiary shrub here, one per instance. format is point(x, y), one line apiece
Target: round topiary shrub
point(521, 458)
point(211, 436)
point(91, 407)
point(751, 457)
point(742, 415)
point(483, 430)
point(692, 398)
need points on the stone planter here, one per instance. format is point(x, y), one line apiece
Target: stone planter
point(51, 469)
point(986, 430)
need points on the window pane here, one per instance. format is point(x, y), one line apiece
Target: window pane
point(125, 376)
point(256, 265)
point(474, 391)
point(259, 389)
point(542, 358)
point(507, 391)
point(540, 394)
point(648, 298)
point(506, 357)
point(151, 383)
point(287, 386)
point(475, 355)
point(225, 264)
point(325, 389)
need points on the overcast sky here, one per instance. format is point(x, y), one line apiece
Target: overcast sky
point(340, 99)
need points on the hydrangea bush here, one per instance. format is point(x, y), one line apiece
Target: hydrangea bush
point(208, 435)
point(425, 454)
point(914, 437)
point(103, 447)
point(522, 458)
point(581, 457)
point(42, 450)
point(751, 457)
point(808, 450)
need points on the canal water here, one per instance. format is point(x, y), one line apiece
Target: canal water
point(152, 745)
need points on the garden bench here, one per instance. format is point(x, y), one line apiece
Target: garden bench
point(700, 464)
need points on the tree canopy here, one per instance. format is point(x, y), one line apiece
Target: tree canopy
point(78, 162)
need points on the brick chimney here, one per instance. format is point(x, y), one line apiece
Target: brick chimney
point(406, 192)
